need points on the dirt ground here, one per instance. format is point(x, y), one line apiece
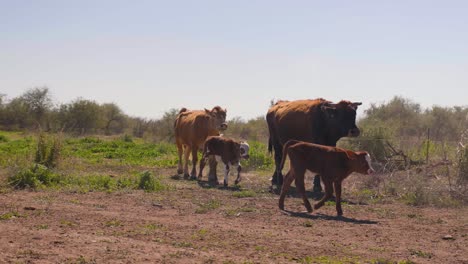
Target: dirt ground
point(191, 223)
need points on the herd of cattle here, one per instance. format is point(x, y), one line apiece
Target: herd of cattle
point(305, 130)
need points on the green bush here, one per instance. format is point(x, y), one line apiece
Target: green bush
point(48, 150)
point(148, 183)
point(3, 138)
point(463, 166)
point(34, 177)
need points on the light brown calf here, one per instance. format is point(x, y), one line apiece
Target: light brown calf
point(333, 164)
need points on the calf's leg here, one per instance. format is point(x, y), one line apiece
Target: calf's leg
point(337, 186)
point(328, 194)
point(226, 175)
point(301, 189)
point(239, 168)
point(288, 179)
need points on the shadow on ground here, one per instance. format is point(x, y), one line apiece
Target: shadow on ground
point(328, 217)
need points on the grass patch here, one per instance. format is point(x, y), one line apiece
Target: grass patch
point(10, 215)
point(421, 254)
point(113, 223)
point(330, 260)
point(244, 194)
point(209, 206)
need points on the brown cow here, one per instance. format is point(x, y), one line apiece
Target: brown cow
point(317, 121)
point(227, 150)
point(333, 164)
point(191, 130)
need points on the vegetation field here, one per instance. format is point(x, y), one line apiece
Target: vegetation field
point(116, 199)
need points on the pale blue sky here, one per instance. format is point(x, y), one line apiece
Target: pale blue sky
point(151, 56)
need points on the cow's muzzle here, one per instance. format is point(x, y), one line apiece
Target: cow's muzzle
point(354, 132)
point(370, 171)
point(223, 126)
point(245, 156)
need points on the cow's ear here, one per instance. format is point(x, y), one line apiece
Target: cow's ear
point(355, 105)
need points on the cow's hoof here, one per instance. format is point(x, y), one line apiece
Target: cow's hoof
point(225, 184)
point(193, 178)
point(186, 175)
point(237, 182)
point(180, 171)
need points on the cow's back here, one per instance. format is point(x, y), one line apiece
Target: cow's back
point(193, 127)
point(292, 120)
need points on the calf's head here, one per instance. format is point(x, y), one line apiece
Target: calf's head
point(363, 163)
point(218, 117)
point(244, 150)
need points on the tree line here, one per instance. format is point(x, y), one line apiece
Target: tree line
point(35, 110)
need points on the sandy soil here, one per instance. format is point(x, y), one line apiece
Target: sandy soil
point(194, 224)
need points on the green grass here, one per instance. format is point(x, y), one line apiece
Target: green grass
point(208, 206)
point(244, 194)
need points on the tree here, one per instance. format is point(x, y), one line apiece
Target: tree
point(112, 113)
point(38, 103)
point(80, 115)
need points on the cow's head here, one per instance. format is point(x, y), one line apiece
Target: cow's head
point(341, 117)
point(364, 165)
point(244, 150)
point(218, 117)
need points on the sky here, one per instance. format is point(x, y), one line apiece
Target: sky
point(152, 56)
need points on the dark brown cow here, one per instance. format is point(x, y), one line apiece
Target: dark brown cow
point(317, 121)
point(191, 130)
point(333, 164)
point(227, 150)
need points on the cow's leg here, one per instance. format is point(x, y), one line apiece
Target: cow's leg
point(226, 175)
point(186, 158)
point(277, 178)
point(328, 194)
point(212, 177)
point(239, 168)
point(300, 185)
point(337, 186)
point(317, 186)
point(180, 150)
point(288, 179)
point(202, 166)
point(193, 174)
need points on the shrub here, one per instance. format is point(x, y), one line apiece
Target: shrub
point(3, 138)
point(150, 184)
point(48, 150)
point(463, 166)
point(33, 178)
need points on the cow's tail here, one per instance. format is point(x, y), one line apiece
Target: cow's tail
point(285, 152)
point(270, 145)
point(182, 110)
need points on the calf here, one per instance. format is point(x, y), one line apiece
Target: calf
point(333, 164)
point(229, 151)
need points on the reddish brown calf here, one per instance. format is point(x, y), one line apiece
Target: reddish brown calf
point(333, 164)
